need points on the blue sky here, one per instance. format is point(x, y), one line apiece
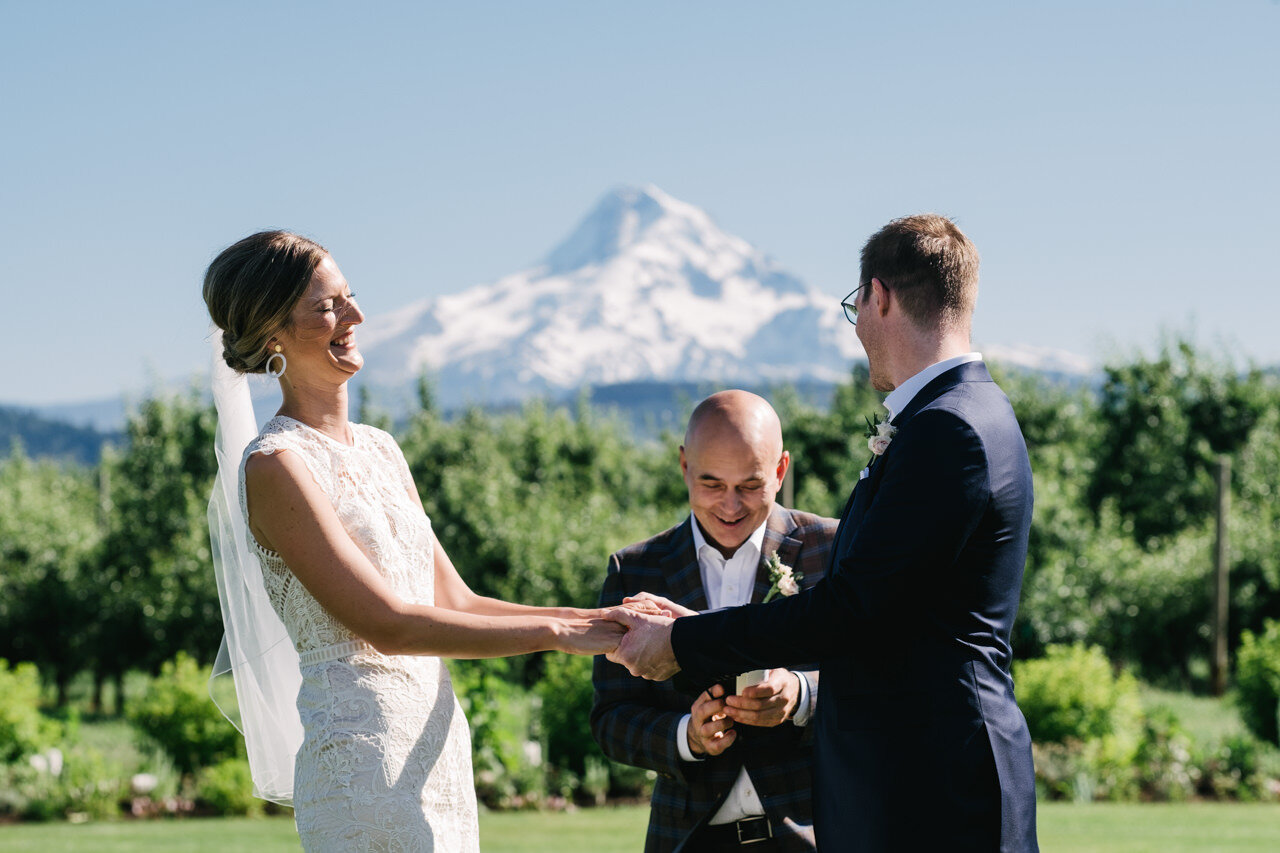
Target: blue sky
point(1116, 163)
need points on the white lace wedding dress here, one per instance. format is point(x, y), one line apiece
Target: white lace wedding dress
point(385, 763)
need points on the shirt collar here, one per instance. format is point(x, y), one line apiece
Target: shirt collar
point(902, 396)
point(756, 538)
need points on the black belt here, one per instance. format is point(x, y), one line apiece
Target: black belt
point(740, 833)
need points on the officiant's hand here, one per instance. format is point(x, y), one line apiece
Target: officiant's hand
point(770, 703)
point(647, 602)
point(645, 650)
point(710, 731)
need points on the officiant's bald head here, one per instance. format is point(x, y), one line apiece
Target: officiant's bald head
point(733, 464)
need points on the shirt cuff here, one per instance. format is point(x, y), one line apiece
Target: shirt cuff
point(804, 704)
point(682, 739)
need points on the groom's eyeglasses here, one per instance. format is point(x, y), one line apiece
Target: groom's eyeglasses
point(850, 305)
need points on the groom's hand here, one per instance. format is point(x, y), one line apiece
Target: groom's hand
point(645, 650)
point(770, 703)
point(710, 731)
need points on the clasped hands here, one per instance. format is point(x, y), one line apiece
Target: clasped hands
point(645, 650)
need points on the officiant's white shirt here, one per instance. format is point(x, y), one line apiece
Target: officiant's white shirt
point(729, 583)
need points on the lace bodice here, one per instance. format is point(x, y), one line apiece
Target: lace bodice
point(371, 490)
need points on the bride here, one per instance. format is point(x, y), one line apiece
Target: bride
point(351, 715)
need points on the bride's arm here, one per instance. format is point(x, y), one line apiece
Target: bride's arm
point(452, 591)
point(290, 514)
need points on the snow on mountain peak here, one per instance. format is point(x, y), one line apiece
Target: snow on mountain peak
point(645, 288)
point(628, 217)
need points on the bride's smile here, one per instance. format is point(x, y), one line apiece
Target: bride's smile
point(321, 337)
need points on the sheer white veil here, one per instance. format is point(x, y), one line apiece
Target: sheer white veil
point(256, 652)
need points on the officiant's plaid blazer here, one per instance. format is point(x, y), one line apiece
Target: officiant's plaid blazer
point(635, 721)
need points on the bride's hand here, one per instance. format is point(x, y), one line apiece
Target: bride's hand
point(592, 636)
point(647, 602)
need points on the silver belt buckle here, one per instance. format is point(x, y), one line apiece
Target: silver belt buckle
point(768, 830)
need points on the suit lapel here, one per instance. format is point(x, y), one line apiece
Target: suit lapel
point(777, 539)
point(680, 567)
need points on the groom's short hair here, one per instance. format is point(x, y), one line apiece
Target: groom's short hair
point(929, 265)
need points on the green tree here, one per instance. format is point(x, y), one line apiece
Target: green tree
point(530, 505)
point(156, 584)
point(49, 527)
point(1164, 420)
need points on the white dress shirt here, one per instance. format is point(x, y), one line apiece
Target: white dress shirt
point(902, 396)
point(729, 583)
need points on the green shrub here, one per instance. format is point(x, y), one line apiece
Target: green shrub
point(176, 713)
point(1231, 770)
point(1164, 766)
point(1258, 681)
point(506, 752)
point(227, 788)
point(566, 694)
point(82, 782)
point(1072, 694)
point(23, 729)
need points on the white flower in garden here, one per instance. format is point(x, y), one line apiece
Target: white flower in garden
point(143, 783)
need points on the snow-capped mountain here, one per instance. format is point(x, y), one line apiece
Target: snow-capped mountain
point(646, 288)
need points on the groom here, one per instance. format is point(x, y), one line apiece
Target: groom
point(920, 743)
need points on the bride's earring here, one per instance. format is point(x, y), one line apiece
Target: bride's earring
point(284, 363)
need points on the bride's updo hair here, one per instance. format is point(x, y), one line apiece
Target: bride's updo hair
point(251, 288)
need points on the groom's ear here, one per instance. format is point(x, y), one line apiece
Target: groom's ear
point(882, 294)
point(784, 462)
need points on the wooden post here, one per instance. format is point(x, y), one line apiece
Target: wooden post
point(1221, 587)
point(789, 486)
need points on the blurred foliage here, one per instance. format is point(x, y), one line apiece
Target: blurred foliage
point(156, 593)
point(50, 526)
point(23, 729)
point(530, 505)
point(226, 788)
point(1258, 682)
point(506, 748)
point(1072, 694)
point(1164, 421)
point(177, 714)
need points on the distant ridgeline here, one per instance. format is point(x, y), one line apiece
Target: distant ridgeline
point(41, 437)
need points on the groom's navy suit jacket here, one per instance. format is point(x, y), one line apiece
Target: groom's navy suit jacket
point(920, 744)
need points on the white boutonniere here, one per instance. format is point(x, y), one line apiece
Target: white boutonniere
point(784, 579)
point(880, 435)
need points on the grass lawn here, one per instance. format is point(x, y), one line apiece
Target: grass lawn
point(1064, 828)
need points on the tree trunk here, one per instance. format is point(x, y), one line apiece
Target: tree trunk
point(119, 679)
point(98, 682)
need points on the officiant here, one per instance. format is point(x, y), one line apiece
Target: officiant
point(721, 785)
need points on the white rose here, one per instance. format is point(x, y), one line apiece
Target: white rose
point(787, 585)
point(886, 429)
point(878, 444)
